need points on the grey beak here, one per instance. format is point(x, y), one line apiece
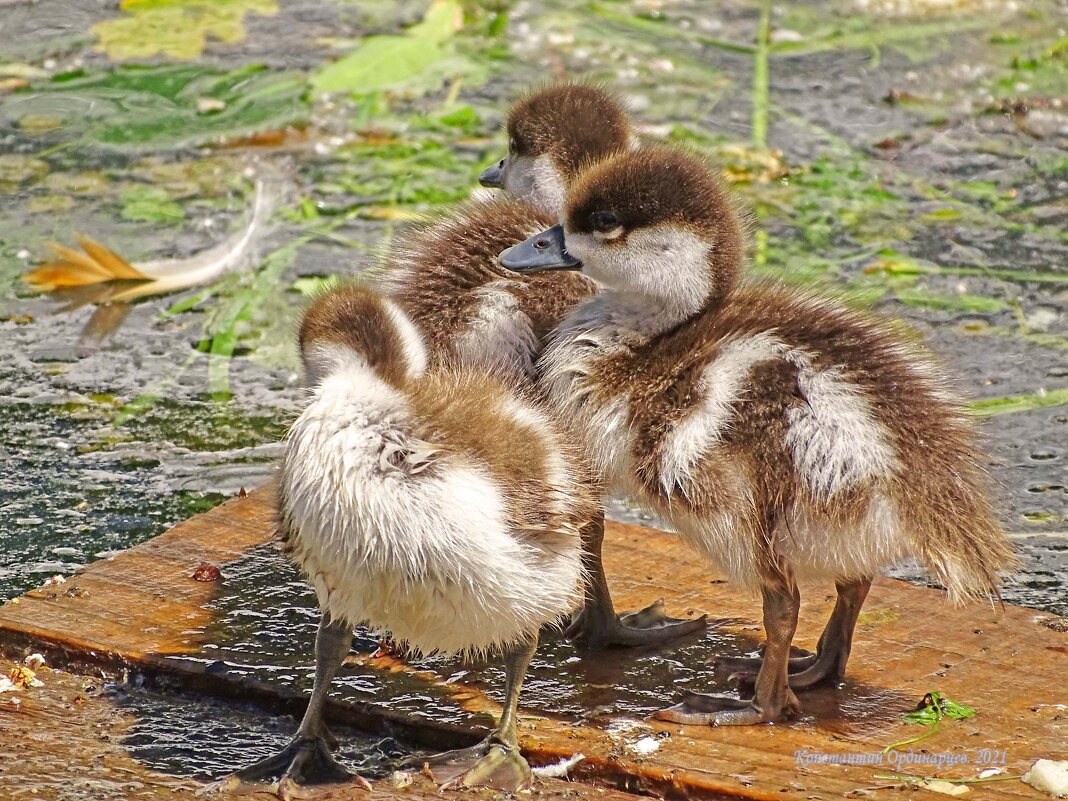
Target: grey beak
point(544, 251)
point(493, 176)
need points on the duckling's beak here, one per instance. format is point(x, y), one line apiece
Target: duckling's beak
point(493, 175)
point(544, 251)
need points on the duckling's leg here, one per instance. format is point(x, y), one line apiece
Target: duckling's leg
point(828, 664)
point(836, 642)
point(307, 758)
point(772, 699)
point(496, 761)
point(597, 625)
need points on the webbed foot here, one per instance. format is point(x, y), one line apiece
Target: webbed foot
point(491, 763)
point(716, 710)
point(305, 761)
point(751, 664)
point(808, 673)
point(597, 628)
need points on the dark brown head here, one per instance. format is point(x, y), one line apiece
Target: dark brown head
point(353, 327)
point(552, 134)
point(654, 222)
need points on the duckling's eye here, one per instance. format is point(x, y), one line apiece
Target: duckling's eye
point(513, 146)
point(604, 221)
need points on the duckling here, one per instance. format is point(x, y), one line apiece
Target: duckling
point(447, 277)
point(441, 506)
point(786, 437)
point(470, 310)
point(553, 132)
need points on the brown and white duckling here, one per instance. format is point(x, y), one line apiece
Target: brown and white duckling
point(447, 278)
point(443, 507)
point(785, 436)
point(469, 310)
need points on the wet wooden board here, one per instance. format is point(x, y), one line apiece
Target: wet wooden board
point(143, 610)
point(63, 740)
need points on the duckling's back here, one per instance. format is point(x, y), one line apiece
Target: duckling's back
point(465, 305)
point(441, 507)
point(783, 427)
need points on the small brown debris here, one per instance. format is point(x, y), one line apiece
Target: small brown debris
point(21, 676)
point(895, 96)
point(207, 572)
point(1053, 623)
point(388, 647)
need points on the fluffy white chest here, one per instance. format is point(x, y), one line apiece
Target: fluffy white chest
point(600, 414)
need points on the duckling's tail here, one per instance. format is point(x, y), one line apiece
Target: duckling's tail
point(350, 324)
point(955, 527)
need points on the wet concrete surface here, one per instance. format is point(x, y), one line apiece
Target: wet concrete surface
point(903, 142)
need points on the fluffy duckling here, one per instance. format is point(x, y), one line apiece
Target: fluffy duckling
point(786, 437)
point(443, 507)
point(447, 278)
point(472, 311)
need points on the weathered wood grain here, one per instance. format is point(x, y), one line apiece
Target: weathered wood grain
point(142, 610)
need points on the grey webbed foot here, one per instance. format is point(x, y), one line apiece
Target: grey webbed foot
point(597, 628)
point(772, 700)
point(305, 761)
point(828, 664)
point(491, 763)
point(751, 664)
point(717, 710)
point(805, 674)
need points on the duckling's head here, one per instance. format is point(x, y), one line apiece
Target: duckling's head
point(552, 134)
point(655, 223)
point(353, 328)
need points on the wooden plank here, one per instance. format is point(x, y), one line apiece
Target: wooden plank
point(64, 740)
point(142, 610)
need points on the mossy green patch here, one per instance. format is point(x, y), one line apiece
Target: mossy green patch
point(204, 427)
point(156, 108)
point(150, 204)
point(177, 29)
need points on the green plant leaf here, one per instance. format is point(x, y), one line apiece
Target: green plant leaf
point(157, 108)
point(422, 57)
point(150, 203)
point(932, 709)
point(312, 286)
point(935, 707)
point(177, 29)
point(1021, 403)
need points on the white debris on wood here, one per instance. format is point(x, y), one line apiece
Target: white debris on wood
point(33, 661)
point(1048, 776)
point(945, 788)
point(558, 770)
point(645, 746)
point(621, 726)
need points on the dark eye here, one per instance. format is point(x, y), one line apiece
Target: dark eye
point(513, 146)
point(604, 221)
